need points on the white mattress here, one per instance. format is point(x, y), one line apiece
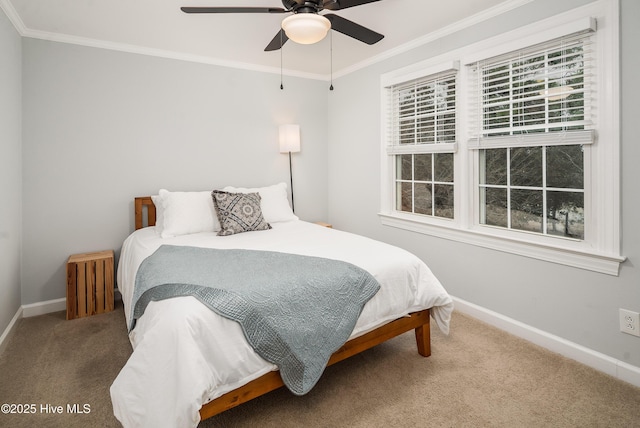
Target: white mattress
point(185, 355)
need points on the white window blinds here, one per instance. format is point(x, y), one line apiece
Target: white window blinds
point(422, 114)
point(537, 96)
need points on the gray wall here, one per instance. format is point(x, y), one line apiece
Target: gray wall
point(574, 304)
point(10, 170)
point(101, 127)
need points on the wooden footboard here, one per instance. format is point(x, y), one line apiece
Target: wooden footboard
point(418, 321)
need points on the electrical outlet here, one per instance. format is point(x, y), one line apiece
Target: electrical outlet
point(630, 322)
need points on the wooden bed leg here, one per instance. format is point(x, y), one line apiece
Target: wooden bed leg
point(423, 339)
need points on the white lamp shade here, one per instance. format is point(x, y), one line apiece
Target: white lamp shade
point(289, 138)
point(306, 28)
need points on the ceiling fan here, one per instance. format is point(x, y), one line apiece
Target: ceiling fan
point(306, 25)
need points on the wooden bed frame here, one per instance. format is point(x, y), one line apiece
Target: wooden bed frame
point(145, 215)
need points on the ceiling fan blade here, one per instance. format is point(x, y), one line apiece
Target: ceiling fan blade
point(343, 4)
point(232, 10)
point(352, 29)
point(278, 41)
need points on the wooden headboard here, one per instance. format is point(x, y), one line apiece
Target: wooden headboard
point(144, 209)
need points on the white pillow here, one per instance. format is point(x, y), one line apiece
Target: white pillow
point(187, 212)
point(274, 204)
point(157, 201)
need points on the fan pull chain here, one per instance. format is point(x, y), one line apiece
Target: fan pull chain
point(331, 57)
point(281, 49)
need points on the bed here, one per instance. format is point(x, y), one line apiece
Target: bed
point(189, 363)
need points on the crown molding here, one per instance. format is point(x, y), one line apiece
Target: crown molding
point(181, 56)
point(22, 29)
point(142, 50)
point(13, 16)
point(438, 34)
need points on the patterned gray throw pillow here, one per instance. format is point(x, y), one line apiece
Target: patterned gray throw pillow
point(238, 212)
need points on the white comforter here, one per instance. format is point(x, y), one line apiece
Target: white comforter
point(185, 355)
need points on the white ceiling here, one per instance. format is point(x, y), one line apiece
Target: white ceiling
point(160, 28)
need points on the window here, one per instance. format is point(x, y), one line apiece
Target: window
point(422, 140)
point(424, 184)
point(533, 189)
point(516, 150)
point(534, 111)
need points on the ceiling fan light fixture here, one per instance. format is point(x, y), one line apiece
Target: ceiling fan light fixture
point(306, 28)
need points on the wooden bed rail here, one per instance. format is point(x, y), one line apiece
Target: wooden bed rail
point(418, 321)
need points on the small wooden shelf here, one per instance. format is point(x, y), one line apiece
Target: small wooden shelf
point(90, 284)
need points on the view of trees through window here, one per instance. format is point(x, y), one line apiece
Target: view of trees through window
point(528, 185)
point(532, 128)
point(535, 189)
point(425, 184)
point(537, 93)
point(425, 116)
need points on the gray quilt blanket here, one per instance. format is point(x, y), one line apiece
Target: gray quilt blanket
point(295, 311)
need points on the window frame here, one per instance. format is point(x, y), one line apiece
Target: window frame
point(599, 251)
point(508, 77)
point(393, 145)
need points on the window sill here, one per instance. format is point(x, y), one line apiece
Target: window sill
point(593, 261)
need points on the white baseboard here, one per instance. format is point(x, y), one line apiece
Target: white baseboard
point(601, 362)
point(41, 308)
point(35, 309)
point(31, 310)
point(584, 355)
point(4, 339)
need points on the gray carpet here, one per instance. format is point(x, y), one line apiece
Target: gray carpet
point(477, 377)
